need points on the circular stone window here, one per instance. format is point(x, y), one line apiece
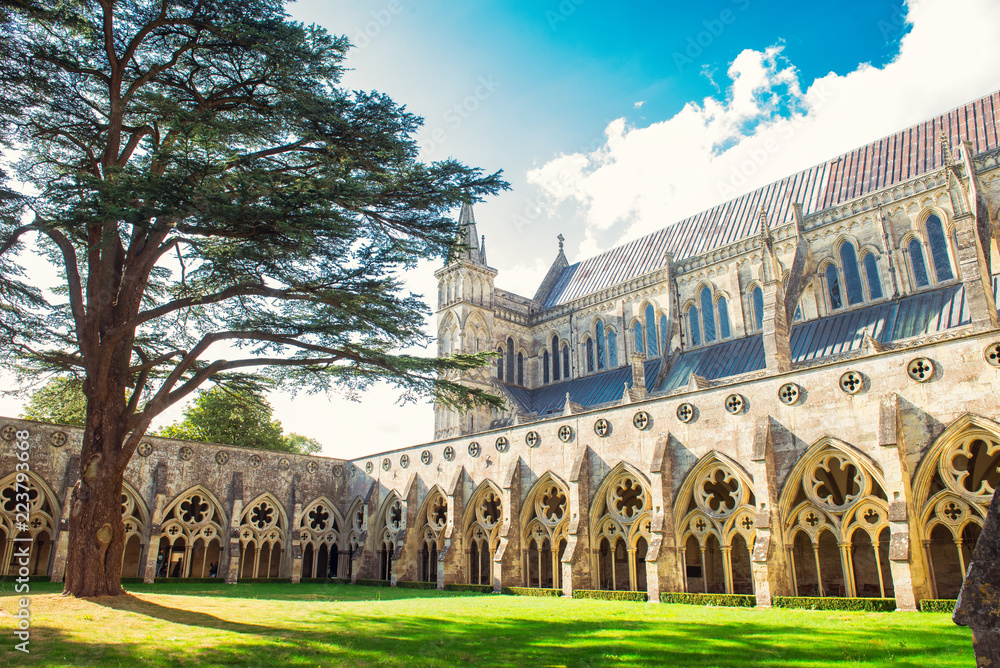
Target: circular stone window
point(685, 412)
point(449, 453)
point(404, 461)
point(502, 444)
point(386, 464)
point(58, 439)
point(531, 438)
point(186, 453)
point(565, 433)
point(369, 467)
point(338, 471)
point(312, 467)
point(788, 393)
point(991, 354)
point(602, 427)
point(145, 449)
point(221, 457)
point(735, 404)
point(920, 369)
point(474, 449)
point(852, 382)
point(640, 420)
point(425, 456)
point(255, 461)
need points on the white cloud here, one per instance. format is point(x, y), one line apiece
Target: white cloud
point(644, 178)
point(638, 105)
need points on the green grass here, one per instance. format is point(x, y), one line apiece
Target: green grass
point(272, 625)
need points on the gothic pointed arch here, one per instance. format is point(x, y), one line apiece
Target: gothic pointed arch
point(714, 515)
point(263, 527)
point(389, 530)
point(952, 491)
point(484, 516)
point(322, 537)
point(621, 515)
point(835, 516)
point(432, 518)
point(43, 512)
point(544, 525)
point(191, 534)
point(135, 515)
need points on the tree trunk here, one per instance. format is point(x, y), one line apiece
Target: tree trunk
point(96, 529)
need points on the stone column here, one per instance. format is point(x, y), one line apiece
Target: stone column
point(232, 569)
point(451, 558)
point(159, 506)
point(909, 574)
point(507, 562)
point(769, 563)
point(72, 474)
point(664, 572)
point(576, 561)
point(296, 544)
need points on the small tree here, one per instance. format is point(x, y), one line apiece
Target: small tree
point(217, 208)
point(238, 417)
point(60, 400)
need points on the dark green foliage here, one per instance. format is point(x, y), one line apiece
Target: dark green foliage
point(411, 584)
point(373, 583)
point(343, 581)
point(215, 205)
point(238, 417)
point(937, 605)
point(531, 591)
point(835, 603)
point(605, 595)
point(482, 589)
point(727, 600)
point(61, 400)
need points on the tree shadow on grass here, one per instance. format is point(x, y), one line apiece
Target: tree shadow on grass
point(296, 592)
point(415, 639)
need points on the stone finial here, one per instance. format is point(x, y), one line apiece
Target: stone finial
point(568, 406)
point(978, 604)
point(561, 239)
point(626, 397)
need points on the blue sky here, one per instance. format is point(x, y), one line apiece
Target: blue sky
point(611, 120)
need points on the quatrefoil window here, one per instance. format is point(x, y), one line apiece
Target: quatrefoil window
point(404, 461)
point(920, 369)
point(474, 449)
point(992, 355)
point(836, 481)
point(58, 438)
point(746, 523)
point(685, 412)
point(369, 467)
point(553, 504)
point(734, 403)
point(811, 519)
point(425, 457)
point(602, 427)
point(719, 492)
point(261, 515)
point(490, 508)
point(318, 517)
point(629, 498)
point(9, 496)
point(975, 466)
point(449, 453)
point(788, 393)
point(565, 433)
point(640, 420)
point(502, 444)
point(395, 516)
point(144, 449)
point(531, 438)
point(194, 509)
point(439, 513)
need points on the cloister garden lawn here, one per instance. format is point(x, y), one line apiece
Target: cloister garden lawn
point(195, 624)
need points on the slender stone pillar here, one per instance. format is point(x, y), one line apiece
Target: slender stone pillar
point(769, 563)
point(576, 559)
point(235, 552)
point(507, 561)
point(663, 568)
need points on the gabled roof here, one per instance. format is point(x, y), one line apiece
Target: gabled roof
point(882, 163)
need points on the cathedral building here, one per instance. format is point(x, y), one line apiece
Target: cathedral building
point(791, 393)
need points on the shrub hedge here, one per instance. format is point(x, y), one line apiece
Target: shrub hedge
point(610, 595)
point(937, 605)
point(835, 603)
point(373, 583)
point(340, 581)
point(413, 584)
point(482, 589)
point(728, 600)
point(530, 591)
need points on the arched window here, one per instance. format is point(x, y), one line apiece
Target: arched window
point(510, 360)
point(833, 287)
point(664, 335)
point(545, 367)
point(565, 360)
point(650, 331)
point(500, 362)
point(852, 277)
point(724, 331)
point(639, 347)
point(917, 262)
point(590, 355)
point(693, 325)
point(600, 344)
point(708, 314)
point(555, 360)
point(871, 273)
point(520, 368)
point(757, 297)
point(939, 249)
point(612, 349)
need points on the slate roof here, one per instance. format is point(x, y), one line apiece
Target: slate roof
point(915, 315)
point(882, 163)
point(589, 391)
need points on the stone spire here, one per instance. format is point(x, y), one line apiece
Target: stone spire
point(555, 270)
point(470, 236)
